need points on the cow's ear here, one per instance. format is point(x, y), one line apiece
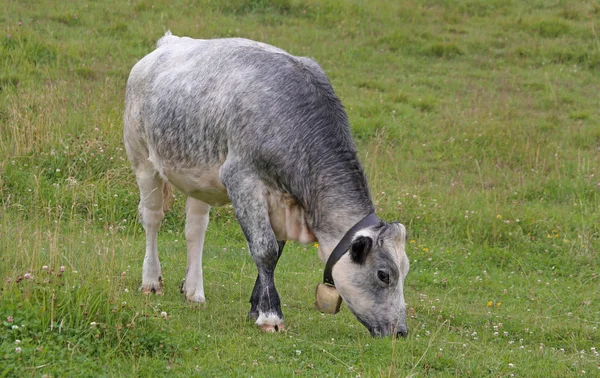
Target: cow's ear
point(360, 249)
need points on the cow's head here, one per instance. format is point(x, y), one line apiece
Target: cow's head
point(370, 279)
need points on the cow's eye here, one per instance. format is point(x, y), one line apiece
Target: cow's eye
point(383, 276)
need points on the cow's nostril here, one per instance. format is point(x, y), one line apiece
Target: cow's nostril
point(402, 333)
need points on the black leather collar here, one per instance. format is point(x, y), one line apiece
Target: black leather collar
point(344, 245)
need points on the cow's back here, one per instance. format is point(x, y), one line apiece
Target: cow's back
point(201, 102)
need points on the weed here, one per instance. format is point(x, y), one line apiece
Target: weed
point(551, 28)
point(69, 19)
point(443, 50)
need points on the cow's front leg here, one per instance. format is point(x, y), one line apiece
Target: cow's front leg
point(248, 196)
point(255, 297)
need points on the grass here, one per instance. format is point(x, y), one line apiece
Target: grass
point(477, 123)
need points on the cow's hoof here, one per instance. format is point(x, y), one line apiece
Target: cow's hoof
point(193, 290)
point(270, 322)
point(197, 298)
point(152, 289)
point(270, 328)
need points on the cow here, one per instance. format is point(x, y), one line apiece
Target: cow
point(242, 122)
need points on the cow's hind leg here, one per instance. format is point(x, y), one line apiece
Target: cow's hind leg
point(250, 205)
point(196, 222)
point(255, 297)
point(151, 215)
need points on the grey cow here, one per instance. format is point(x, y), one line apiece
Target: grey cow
point(236, 120)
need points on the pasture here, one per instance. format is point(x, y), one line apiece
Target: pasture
point(478, 123)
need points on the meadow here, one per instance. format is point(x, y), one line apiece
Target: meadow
point(478, 123)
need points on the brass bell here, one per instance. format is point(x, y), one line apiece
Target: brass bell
point(328, 300)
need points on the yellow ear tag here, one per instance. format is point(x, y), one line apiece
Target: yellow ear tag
point(328, 300)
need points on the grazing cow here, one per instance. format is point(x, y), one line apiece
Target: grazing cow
point(233, 120)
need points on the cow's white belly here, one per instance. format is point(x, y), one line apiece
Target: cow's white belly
point(287, 217)
point(201, 184)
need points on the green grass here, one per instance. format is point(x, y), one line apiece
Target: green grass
point(477, 122)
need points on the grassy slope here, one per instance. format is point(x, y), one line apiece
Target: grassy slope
point(478, 125)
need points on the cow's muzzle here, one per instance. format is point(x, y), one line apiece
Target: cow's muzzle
point(400, 331)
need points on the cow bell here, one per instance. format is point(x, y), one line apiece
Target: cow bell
point(328, 300)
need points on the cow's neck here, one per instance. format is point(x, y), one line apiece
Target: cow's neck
point(338, 198)
point(334, 225)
